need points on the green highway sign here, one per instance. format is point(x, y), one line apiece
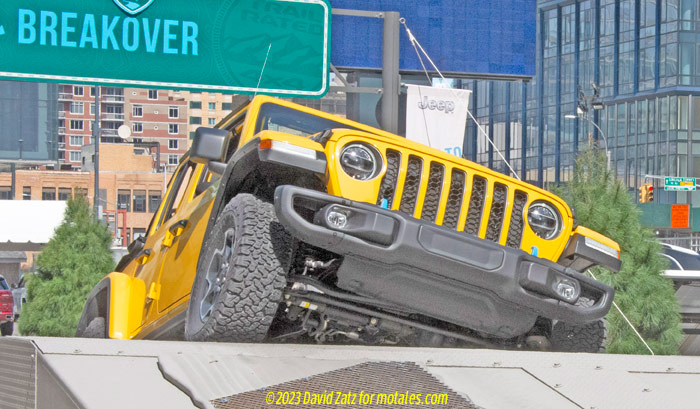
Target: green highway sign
point(679, 184)
point(278, 47)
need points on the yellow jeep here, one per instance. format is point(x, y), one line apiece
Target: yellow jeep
point(287, 223)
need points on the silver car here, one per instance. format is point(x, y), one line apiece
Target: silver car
point(19, 296)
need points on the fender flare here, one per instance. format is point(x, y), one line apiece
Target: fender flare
point(120, 300)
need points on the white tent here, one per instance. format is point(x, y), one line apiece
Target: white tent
point(29, 222)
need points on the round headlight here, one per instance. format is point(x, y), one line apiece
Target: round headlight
point(544, 220)
point(360, 161)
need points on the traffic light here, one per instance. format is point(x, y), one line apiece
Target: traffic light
point(646, 193)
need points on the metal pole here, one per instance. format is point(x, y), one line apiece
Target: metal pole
point(158, 168)
point(390, 73)
point(96, 136)
point(13, 186)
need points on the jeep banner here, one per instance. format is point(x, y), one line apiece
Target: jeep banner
point(437, 117)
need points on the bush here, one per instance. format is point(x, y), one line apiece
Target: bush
point(74, 260)
point(602, 203)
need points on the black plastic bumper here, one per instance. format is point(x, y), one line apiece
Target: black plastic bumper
point(436, 271)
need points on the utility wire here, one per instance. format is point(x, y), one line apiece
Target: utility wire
point(627, 319)
point(416, 45)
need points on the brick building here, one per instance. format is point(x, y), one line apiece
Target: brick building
point(128, 181)
point(204, 108)
point(153, 116)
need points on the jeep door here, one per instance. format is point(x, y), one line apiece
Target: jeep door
point(186, 227)
point(147, 264)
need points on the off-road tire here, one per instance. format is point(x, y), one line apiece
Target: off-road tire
point(6, 328)
point(254, 280)
point(579, 338)
point(95, 329)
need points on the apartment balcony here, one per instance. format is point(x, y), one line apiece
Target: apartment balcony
point(62, 130)
point(61, 146)
point(113, 98)
point(110, 116)
point(61, 114)
point(65, 96)
point(108, 132)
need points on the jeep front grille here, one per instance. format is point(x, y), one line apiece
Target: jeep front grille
point(515, 233)
point(483, 212)
point(411, 186)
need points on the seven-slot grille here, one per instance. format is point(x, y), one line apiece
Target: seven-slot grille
point(480, 211)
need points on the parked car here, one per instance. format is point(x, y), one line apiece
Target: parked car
point(684, 270)
point(6, 308)
point(287, 223)
point(19, 295)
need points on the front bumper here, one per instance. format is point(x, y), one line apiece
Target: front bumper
point(435, 271)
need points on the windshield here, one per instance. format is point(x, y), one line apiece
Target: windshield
point(273, 117)
point(3, 284)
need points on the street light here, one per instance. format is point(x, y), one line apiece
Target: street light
point(605, 139)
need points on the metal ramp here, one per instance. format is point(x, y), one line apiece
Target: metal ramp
point(62, 373)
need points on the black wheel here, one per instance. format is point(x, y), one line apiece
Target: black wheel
point(6, 328)
point(241, 275)
point(578, 338)
point(95, 329)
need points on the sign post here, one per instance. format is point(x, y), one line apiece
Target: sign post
point(242, 46)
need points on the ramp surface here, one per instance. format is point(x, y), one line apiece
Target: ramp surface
point(87, 373)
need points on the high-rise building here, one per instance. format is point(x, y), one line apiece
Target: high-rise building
point(204, 108)
point(28, 119)
point(639, 61)
point(152, 115)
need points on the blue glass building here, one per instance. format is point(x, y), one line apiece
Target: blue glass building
point(644, 55)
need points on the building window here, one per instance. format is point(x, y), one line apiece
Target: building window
point(80, 192)
point(5, 192)
point(27, 193)
point(74, 156)
point(92, 109)
point(78, 91)
point(192, 134)
point(137, 127)
point(76, 140)
point(195, 105)
point(195, 120)
point(153, 200)
point(76, 125)
point(227, 106)
point(64, 193)
point(48, 193)
point(124, 199)
point(137, 111)
point(173, 159)
point(173, 128)
point(212, 106)
point(173, 112)
point(173, 144)
point(77, 108)
point(152, 94)
point(138, 140)
point(92, 91)
point(139, 201)
point(212, 121)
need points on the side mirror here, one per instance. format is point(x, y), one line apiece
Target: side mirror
point(136, 245)
point(208, 145)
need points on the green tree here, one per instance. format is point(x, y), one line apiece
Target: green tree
point(74, 260)
point(602, 203)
